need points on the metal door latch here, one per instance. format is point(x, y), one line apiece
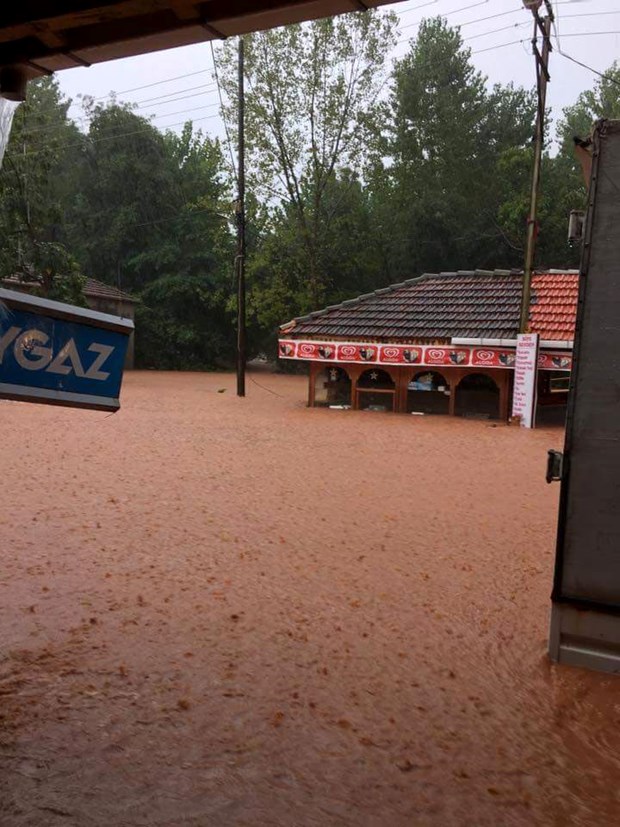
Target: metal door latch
point(555, 463)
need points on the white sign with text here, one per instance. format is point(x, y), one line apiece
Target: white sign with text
point(524, 393)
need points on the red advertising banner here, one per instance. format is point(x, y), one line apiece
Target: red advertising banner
point(422, 355)
point(555, 361)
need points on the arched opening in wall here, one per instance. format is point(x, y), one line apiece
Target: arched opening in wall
point(477, 396)
point(332, 387)
point(428, 392)
point(376, 390)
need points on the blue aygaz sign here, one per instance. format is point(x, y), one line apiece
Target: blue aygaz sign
point(59, 354)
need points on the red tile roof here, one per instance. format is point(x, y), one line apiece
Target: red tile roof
point(554, 305)
point(463, 304)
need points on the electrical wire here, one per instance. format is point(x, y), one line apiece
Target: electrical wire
point(219, 92)
point(203, 87)
point(112, 137)
point(86, 119)
point(505, 28)
point(181, 123)
point(585, 66)
point(165, 103)
point(153, 101)
point(155, 83)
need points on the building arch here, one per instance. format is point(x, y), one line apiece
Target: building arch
point(375, 389)
point(332, 386)
point(477, 394)
point(427, 391)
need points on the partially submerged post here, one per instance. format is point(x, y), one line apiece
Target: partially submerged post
point(241, 344)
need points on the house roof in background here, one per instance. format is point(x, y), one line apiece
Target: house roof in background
point(93, 288)
point(97, 289)
point(463, 304)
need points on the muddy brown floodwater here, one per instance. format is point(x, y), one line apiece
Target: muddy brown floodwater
point(220, 612)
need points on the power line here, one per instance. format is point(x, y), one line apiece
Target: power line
point(590, 34)
point(204, 87)
point(453, 11)
point(207, 117)
point(219, 92)
point(155, 83)
point(185, 111)
point(483, 34)
point(165, 103)
point(585, 65)
point(86, 119)
point(112, 137)
point(505, 28)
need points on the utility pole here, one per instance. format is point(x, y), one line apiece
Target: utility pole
point(240, 211)
point(541, 26)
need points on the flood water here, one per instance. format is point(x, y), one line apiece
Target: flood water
point(244, 612)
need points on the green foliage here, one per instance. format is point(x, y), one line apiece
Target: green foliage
point(181, 324)
point(36, 188)
point(312, 108)
point(451, 139)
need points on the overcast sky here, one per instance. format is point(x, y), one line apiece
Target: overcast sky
point(589, 30)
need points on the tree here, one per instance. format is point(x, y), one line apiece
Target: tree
point(37, 183)
point(450, 137)
point(185, 316)
point(311, 110)
point(128, 191)
point(349, 256)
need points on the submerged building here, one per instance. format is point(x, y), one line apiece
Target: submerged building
point(438, 344)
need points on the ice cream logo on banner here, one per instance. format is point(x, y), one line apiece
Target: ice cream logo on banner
point(443, 356)
point(287, 350)
point(493, 358)
point(305, 350)
point(390, 354)
point(435, 355)
point(484, 357)
point(347, 352)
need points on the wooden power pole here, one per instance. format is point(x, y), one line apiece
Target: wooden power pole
point(542, 26)
point(240, 210)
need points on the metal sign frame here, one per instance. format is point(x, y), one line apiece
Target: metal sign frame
point(59, 354)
